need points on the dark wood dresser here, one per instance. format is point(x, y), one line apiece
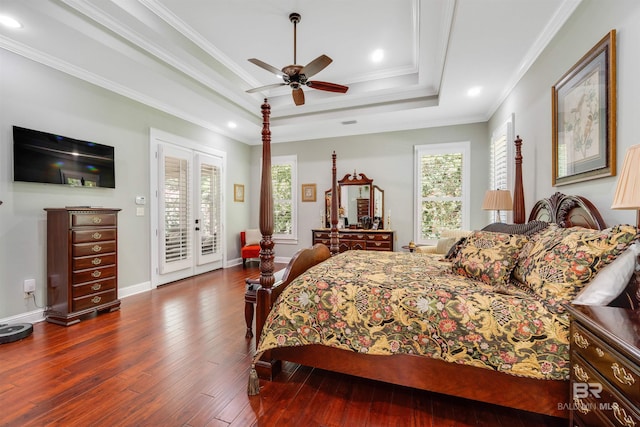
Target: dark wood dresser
point(605, 366)
point(82, 263)
point(365, 240)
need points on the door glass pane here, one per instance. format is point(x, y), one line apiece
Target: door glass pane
point(176, 209)
point(209, 209)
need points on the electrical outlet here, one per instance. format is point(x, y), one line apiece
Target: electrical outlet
point(29, 286)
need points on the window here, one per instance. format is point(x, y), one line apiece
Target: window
point(499, 168)
point(441, 185)
point(284, 184)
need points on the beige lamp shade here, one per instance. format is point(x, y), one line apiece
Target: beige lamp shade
point(628, 190)
point(497, 200)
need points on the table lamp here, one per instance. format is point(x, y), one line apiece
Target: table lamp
point(628, 190)
point(497, 200)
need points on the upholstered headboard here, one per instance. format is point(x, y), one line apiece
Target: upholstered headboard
point(571, 211)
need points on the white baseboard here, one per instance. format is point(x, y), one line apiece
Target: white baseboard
point(282, 260)
point(34, 316)
point(232, 262)
point(133, 290)
point(38, 315)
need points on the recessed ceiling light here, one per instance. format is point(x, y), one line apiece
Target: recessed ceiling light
point(232, 125)
point(474, 91)
point(377, 55)
point(9, 22)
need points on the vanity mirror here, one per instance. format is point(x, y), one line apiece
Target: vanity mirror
point(361, 203)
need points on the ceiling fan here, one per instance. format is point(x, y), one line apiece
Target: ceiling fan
point(297, 76)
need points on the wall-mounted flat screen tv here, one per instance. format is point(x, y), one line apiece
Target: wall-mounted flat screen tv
point(54, 159)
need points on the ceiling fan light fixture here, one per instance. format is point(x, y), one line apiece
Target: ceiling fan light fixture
point(296, 76)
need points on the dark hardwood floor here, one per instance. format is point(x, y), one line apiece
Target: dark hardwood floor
point(177, 356)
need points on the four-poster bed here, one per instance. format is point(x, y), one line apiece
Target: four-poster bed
point(546, 392)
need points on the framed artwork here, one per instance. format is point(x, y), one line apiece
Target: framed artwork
point(308, 192)
point(238, 192)
point(583, 105)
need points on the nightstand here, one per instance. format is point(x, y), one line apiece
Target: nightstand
point(605, 366)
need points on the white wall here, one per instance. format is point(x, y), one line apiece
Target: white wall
point(37, 97)
point(531, 99)
point(387, 158)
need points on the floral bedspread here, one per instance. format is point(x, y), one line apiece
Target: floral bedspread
point(386, 303)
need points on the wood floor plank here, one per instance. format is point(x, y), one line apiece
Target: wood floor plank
point(177, 356)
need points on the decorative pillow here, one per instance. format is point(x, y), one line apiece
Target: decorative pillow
point(518, 270)
point(453, 251)
point(558, 262)
point(252, 237)
point(489, 257)
point(611, 280)
point(527, 229)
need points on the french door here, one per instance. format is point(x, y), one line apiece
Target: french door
point(189, 213)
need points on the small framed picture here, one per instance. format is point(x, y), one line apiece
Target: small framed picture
point(308, 192)
point(238, 192)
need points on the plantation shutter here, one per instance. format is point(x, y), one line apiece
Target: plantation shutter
point(175, 210)
point(209, 223)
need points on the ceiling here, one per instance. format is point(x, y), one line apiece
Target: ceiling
point(189, 58)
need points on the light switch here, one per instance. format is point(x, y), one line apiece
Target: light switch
point(140, 211)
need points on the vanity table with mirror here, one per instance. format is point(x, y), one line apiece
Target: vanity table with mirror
point(361, 222)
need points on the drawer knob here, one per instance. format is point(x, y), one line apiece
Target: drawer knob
point(96, 248)
point(580, 405)
point(96, 220)
point(96, 299)
point(600, 352)
point(622, 375)
point(621, 415)
point(96, 235)
point(96, 286)
point(96, 273)
point(96, 261)
point(580, 340)
point(580, 373)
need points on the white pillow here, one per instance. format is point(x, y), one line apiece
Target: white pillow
point(252, 237)
point(443, 245)
point(611, 280)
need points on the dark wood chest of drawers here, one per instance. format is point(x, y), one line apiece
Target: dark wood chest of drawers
point(365, 240)
point(82, 267)
point(605, 366)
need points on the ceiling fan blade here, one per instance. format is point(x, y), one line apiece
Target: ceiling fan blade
point(316, 65)
point(262, 88)
point(267, 67)
point(298, 96)
point(329, 87)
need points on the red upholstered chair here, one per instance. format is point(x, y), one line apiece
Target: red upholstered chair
point(250, 245)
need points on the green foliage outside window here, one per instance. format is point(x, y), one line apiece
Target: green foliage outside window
point(441, 192)
point(281, 176)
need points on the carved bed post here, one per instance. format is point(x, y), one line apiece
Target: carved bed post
point(265, 365)
point(334, 248)
point(518, 192)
